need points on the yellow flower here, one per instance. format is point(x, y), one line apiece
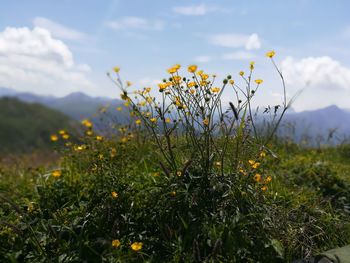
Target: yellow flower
point(176, 79)
point(142, 103)
point(177, 102)
point(264, 188)
point(191, 84)
point(126, 104)
point(232, 81)
point(56, 173)
point(128, 83)
point(192, 91)
point(119, 108)
point(99, 138)
point(254, 164)
point(113, 152)
point(203, 83)
point(268, 179)
point(257, 177)
point(241, 73)
point(258, 81)
point(30, 207)
point(167, 120)
point(53, 137)
point(270, 54)
point(89, 133)
point(174, 69)
point(179, 173)
point(200, 72)
point(115, 243)
point(136, 246)
point(116, 69)
point(61, 132)
point(65, 136)
point(86, 123)
point(154, 120)
point(204, 76)
point(192, 68)
point(218, 164)
point(162, 86)
point(206, 121)
point(173, 193)
point(79, 148)
point(215, 90)
point(138, 122)
point(252, 65)
point(114, 194)
point(262, 154)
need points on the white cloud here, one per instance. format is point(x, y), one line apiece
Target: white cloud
point(58, 30)
point(316, 72)
point(239, 55)
point(133, 22)
point(253, 42)
point(236, 41)
point(203, 59)
point(194, 10)
point(32, 60)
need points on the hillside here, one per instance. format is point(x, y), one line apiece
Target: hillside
point(76, 105)
point(24, 126)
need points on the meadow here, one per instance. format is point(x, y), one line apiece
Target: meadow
point(188, 179)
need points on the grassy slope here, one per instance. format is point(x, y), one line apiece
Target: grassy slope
point(24, 127)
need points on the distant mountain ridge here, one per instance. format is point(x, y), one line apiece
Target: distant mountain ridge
point(306, 125)
point(76, 105)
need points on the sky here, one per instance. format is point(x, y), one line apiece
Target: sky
point(58, 47)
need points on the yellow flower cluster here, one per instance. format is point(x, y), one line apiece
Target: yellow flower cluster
point(87, 123)
point(135, 246)
point(56, 173)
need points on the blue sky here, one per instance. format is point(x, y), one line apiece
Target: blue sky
point(57, 47)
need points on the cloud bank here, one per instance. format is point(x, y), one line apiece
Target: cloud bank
point(58, 30)
point(32, 60)
point(249, 42)
point(316, 72)
point(133, 22)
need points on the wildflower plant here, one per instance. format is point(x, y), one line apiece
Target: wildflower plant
point(191, 110)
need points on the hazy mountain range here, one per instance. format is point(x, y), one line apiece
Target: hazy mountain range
point(330, 124)
point(76, 105)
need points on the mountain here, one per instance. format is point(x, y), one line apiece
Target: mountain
point(6, 92)
point(28, 126)
point(330, 124)
point(76, 105)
